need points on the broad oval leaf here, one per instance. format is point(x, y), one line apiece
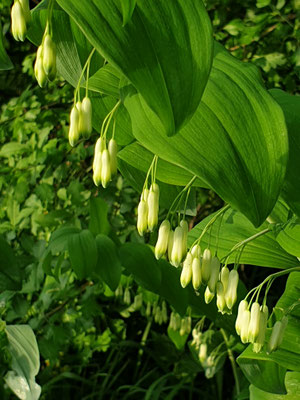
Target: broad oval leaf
point(292, 383)
point(289, 237)
point(139, 157)
point(25, 362)
point(165, 50)
point(59, 238)
point(263, 251)
point(98, 216)
point(127, 9)
point(291, 108)
point(167, 193)
point(83, 253)
point(108, 265)
point(139, 260)
point(236, 142)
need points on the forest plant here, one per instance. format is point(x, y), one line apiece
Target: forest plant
point(232, 138)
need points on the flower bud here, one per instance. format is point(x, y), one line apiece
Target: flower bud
point(231, 292)
point(185, 228)
point(203, 352)
point(177, 322)
point(18, 22)
point(142, 220)
point(208, 295)
point(186, 273)
point(224, 276)
point(214, 273)
point(182, 330)
point(238, 323)
point(170, 244)
point(153, 206)
point(254, 326)
point(100, 146)
point(105, 168)
point(196, 273)
point(127, 299)
point(196, 251)
point(257, 346)
point(148, 309)
point(49, 57)
point(73, 130)
point(119, 291)
point(26, 10)
point(277, 334)
point(138, 301)
point(206, 265)
point(245, 320)
point(163, 239)
point(113, 150)
point(145, 194)
point(86, 117)
point(221, 303)
point(164, 311)
point(177, 249)
point(39, 72)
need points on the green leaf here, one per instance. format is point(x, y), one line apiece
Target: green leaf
point(5, 62)
point(139, 157)
point(265, 375)
point(12, 148)
point(289, 237)
point(127, 10)
point(102, 105)
point(25, 362)
point(139, 260)
point(259, 366)
point(291, 108)
point(108, 265)
point(177, 339)
point(98, 216)
point(59, 239)
point(136, 179)
point(83, 253)
point(263, 251)
point(10, 274)
point(236, 141)
point(170, 287)
point(292, 383)
point(105, 81)
point(168, 61)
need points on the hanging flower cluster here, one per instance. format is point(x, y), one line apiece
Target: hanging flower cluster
point(181, 325)
point(20, 18)
point(148, 208)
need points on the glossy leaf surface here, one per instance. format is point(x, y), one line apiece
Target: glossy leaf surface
point(168, 61)
point(236, 142)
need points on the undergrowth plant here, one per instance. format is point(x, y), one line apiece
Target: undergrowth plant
point(159, 98)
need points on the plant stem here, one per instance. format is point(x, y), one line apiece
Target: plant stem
point(232, 361)
point(180, 194)
point(246, 241)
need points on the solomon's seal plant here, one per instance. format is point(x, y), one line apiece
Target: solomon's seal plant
point(157, 98)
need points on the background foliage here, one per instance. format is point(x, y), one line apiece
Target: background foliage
point(93, 344)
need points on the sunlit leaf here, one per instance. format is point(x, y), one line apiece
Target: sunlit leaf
point(236, 142)
point(25, 362)
point(291, 108)
point(168, 61)
point(263, 251)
